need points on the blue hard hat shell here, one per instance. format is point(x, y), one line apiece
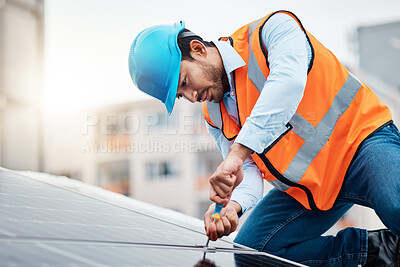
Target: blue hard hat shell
point(155, 61)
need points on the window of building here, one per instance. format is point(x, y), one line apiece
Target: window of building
point(114, 176)
point(162, 170)
point(160, 121)
point(207, 162)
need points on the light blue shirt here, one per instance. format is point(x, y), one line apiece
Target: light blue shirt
point(289, 55)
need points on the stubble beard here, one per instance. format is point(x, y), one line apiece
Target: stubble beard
point(216, 76)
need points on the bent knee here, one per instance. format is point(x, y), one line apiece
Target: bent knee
point(391, 219)
point(244, 240)
point(259, 243)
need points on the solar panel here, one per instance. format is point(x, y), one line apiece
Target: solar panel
point(44, 224)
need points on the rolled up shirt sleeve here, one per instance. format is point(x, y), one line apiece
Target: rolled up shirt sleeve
point(250, 190)
point(286, 44)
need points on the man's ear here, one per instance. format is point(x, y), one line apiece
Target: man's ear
point(197, 48)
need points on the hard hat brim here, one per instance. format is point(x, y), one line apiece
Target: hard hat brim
point(175, 68)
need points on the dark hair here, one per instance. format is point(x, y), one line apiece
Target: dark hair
point(184, 43)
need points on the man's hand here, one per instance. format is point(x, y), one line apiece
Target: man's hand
point(224, 226)
point(229, 174)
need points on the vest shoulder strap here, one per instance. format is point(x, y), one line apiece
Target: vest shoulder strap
point(226, 39)
point(212, 114)
point(217, 116)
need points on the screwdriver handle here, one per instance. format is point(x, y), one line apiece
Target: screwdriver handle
point(217, 211)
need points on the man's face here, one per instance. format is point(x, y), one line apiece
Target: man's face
point(200, 80)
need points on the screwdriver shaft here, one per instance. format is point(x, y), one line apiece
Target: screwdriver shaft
point(216, 216)
point(208, 241)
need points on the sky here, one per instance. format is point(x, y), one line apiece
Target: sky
point(87, 41)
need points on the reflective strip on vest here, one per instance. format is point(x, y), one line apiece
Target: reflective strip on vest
point(252, 28)
point(316, 137)
point(254, 72)
point(279, 185)
point(214, 111)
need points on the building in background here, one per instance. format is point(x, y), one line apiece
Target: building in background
point(379, 68)
point(379, 50)
point(137, 150)
point(21, 80)
point(379, 62)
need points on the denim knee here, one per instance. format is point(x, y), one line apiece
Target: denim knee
point(242, 239)
point(388, 211)
point(393, 224)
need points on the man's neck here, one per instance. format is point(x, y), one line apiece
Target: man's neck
point(225, 82)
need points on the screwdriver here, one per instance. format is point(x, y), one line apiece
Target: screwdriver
point(216, 216)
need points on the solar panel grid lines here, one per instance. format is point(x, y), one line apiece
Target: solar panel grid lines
point(203, 248)
point(103, 254)
point(116, 215)
point(46, 224)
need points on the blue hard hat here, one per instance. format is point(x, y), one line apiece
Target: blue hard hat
point(155, 62)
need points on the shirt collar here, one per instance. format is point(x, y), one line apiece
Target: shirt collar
point(230, 58)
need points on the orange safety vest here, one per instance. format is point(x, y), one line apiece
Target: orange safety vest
point(310, 157)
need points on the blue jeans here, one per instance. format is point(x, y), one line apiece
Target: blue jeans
point(281, 226)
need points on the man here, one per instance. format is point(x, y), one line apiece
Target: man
point(282, 107)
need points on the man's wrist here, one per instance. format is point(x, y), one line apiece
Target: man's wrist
point(237, 206)
point(241, 151)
